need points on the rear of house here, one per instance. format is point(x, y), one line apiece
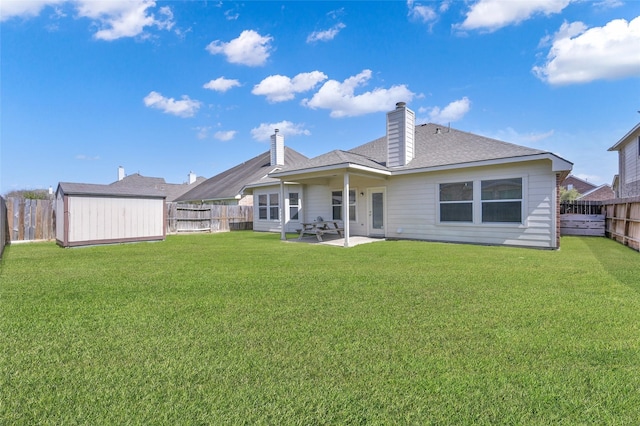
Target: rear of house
point(423, 182)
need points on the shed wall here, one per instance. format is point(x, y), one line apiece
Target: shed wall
point(96, 220)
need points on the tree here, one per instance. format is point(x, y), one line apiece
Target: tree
point(30, 194)
point(568, 194)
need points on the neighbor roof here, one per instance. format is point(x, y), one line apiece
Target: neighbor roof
point(623, 141)
point(139, 183)
point(435, 146)
point(230, 183)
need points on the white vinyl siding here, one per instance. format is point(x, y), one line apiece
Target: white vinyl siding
point(632, 162)
point(284, 207)
point(413, 207)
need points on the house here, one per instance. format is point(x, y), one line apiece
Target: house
point(586, 190)
point(141, 184)
point(228, 187)
point(89, 214)
point(580, 185)
point(627, 182)
point(600, 193)
point(424, 182)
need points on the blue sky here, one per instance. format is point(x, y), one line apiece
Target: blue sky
point(165, 88)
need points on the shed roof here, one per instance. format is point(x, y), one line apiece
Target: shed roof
point(230, 183)
point(89, 189)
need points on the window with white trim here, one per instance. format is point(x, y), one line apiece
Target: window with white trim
point(482, 201)
point(268, 206)
point(337, 203)
point(502, 200)
point(456, 202)
point(294, 205)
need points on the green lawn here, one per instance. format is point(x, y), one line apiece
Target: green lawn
point(241, 328)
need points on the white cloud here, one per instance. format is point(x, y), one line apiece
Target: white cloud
point(225, 135)
point(285, 128)
point(341, 99)
point(221, 84)
point(250, 48)
point(326, 35)
point(279, 88)
point(202, 132)
point(511, 135)
point(452, 112)
point(183, 108)
point(24, 8)
point(492, 15)
point(581, 55)
point(123, 18)
point(421, 12)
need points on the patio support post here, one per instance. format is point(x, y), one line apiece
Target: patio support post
point(345, 208)
point(283, 210)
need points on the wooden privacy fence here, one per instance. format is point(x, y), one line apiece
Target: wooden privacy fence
point(4, 226)
point(582, 218)
point(207, 218)
point(30, 219)
point(623, 221)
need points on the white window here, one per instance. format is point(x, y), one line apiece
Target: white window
point(502, 200)
point(268, 207)
point(294, 205)
point(456, 202)
point(337, 203)
point(486, 201)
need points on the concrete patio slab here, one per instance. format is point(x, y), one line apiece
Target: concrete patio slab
point(334, 240)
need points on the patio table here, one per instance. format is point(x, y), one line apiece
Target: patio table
point(320, 228)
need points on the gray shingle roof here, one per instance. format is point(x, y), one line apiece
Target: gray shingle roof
point(139, 183)
point(90, 189)
point(434, 146)
point(228, 184)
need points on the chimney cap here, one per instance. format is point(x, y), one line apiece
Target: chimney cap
point(400, 105)
point(276, 130)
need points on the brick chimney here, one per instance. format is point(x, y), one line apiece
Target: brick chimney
point(277, 149)
point(401, 124)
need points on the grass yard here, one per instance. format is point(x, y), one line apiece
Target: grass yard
point(241, 328)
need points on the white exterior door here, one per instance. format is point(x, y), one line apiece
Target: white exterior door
point(376, 219)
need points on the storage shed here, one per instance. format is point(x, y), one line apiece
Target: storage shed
point(88, 214)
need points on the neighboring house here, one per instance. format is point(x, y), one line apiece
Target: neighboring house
point(228, 187)
point(600, 193)
point(580, 185)
point(586, 190)
point(424, 182)
point(88, 214)
point(627, 182)
point(138, 183)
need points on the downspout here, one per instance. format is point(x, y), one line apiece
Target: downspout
point(283, 234)
point(345, 208)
